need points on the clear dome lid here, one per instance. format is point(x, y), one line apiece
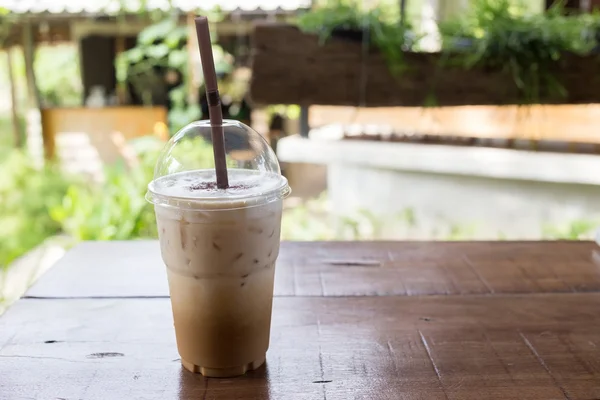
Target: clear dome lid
point(185, 176)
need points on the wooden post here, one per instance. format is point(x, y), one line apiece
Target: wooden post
point(13, 100)
point(193, 80)
point(33, 96)
point(304, 121)
point(35, 141)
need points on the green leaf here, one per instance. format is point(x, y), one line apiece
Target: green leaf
point(156, 32)
point(176, 37)
point(178, 58)
point(134, 55)
point(158, 51)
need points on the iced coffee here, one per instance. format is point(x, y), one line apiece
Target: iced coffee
point(220, 248)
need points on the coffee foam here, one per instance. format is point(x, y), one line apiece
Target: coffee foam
point(201, 185)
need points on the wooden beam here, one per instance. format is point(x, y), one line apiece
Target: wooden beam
point(74, 27)
point(16, 123)
point(80, 29)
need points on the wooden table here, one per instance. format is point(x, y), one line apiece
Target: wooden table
point(478, 320)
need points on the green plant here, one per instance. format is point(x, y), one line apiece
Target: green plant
point(26, 194)
point(362, 224)
point(579, 229)
point(63, 86)
point(505, 36)
point(159, 63)
point(313, 220)
point(114, 210)
point(7, 20)
point(288, 111)
point(159, 55)
point(309, 220)
point(461, 232)
point(379, 26)
point(408, 217)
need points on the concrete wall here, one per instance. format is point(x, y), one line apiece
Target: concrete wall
point(454, 206)
point(427, 191)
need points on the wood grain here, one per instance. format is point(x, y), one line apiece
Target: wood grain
point(541, 346)
point(369, 320)
point(135, 269)
point(308, 72)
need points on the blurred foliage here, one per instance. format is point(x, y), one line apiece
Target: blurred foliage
point(313, 219)
point(7, 139)
point(37, 203)
point(309, 220)
point(360, 226)
point(26, 195)
point(116, 209)
point(7, 19)
point(192, 153)
point(291, 111)
point(462, 232)
point(160, 59)
point(506, 35)
point(579, 229)
point(349, 14)
point(113, 210)
point(378, 25)
point(160, 62)
point(62, 87)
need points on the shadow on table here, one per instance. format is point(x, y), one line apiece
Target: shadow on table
point(253, 385)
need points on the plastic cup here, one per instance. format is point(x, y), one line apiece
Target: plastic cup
point(219, 246)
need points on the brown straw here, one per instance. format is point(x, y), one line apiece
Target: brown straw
point(214, 101)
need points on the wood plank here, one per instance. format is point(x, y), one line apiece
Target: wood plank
point(135, 269)
point(394, 347)
point(332, 74)
point(80, 137)
point(553, 123)
point(106, 269)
